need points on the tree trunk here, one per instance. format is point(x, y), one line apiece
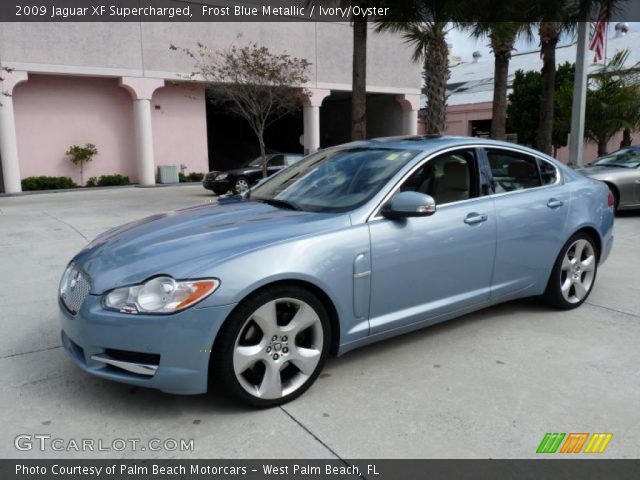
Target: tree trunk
point(626, 138)
point(436, 68)
point(501, 76)
point(602, 147)
point(548, 40)
point(263, 153)
point(359, 80)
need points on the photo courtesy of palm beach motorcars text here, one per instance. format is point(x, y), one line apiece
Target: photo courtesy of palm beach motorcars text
point(319, 239)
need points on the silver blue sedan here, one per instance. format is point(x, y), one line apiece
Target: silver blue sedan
point(351, 245)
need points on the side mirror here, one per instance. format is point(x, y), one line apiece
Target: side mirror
point(409, 204)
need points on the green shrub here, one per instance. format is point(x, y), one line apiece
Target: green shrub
point(92, 182)
point(192, 177)
point(111, 180)
point(46, 183)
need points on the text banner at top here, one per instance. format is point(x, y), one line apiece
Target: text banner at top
point(265, 11)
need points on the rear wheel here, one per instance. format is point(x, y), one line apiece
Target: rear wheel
point(272, 347)
point(574, 273)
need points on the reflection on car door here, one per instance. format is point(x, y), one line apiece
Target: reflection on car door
point(531, 205)
point(425, 267)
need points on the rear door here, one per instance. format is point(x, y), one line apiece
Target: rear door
point(531, 208)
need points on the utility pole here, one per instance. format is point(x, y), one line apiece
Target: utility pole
point(576, 137)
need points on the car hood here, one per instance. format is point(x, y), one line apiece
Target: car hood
point(186, 243)
point(600, 170)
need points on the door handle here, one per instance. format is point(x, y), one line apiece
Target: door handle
point(554, 203)
point(474, 218)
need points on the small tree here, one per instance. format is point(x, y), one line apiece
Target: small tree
point(81, 155)
point(613, 101)
point(251, 82)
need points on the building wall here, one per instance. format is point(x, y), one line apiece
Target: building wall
point(459, 117)
point(180, 127)
point(54, 112)
point(142, 49)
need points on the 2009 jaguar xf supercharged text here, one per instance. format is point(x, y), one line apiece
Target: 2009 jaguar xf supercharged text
point(349, 246)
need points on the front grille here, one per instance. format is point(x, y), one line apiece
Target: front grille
point(74, 288)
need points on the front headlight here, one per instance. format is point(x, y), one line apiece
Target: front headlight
point(222, 176)
point(159, 295)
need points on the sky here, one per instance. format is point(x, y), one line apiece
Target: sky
point(464, 46)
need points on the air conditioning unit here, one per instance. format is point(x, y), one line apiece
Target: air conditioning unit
point(168, 174)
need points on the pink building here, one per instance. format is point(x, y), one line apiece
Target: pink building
point(120, 87)
point(471, 90)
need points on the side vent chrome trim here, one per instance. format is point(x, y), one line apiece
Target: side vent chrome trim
point(139, 368)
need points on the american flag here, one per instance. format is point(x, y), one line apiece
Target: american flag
point(599, 39)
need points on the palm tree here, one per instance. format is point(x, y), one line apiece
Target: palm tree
point(502, 37)
point(425, 28)
point(613, 101)
point(359, 79)
point(549, 35)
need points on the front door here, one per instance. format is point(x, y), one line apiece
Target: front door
point(426, 267)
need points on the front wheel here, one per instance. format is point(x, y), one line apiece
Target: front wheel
point(241, 185)
point(272, 347)
point(574, 273)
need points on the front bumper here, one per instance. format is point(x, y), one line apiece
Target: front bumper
point(175, 349)
point(217, 185)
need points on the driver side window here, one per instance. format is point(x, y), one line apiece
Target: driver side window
point(447, 178)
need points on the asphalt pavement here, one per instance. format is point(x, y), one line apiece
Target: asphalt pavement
point(487, 385)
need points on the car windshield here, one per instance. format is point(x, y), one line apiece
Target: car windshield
point(627, 158)
point(254, 162)
point(333, 180)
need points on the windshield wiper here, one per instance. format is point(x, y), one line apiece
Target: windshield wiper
point(278, 203)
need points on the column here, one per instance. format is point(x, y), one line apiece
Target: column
point(311, 118)
point(8, 138)
point(410, 106)
point(141, 89)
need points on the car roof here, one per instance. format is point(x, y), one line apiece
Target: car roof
point(432, 142)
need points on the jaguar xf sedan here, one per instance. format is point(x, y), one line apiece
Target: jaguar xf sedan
point(351, 245)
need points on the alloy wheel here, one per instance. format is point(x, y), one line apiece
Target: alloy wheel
point(577, 271)
point(278, 348)
point(241, 185)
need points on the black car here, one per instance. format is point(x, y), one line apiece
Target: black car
point(240, 179)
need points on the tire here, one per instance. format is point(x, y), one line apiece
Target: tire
point(572, 279)
point(241, 185)
point(272, 347)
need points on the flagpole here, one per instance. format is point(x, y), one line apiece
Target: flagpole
point(576, 136)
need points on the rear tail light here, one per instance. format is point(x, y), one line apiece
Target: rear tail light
point(610, 200)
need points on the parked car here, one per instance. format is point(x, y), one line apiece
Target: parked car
point(620, 170)
point(241, 179)
point(352, 245)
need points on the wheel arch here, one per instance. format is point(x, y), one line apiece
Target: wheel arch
point(593, 233)
point(326, 300)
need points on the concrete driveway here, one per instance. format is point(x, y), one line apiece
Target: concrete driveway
point(490, 384)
